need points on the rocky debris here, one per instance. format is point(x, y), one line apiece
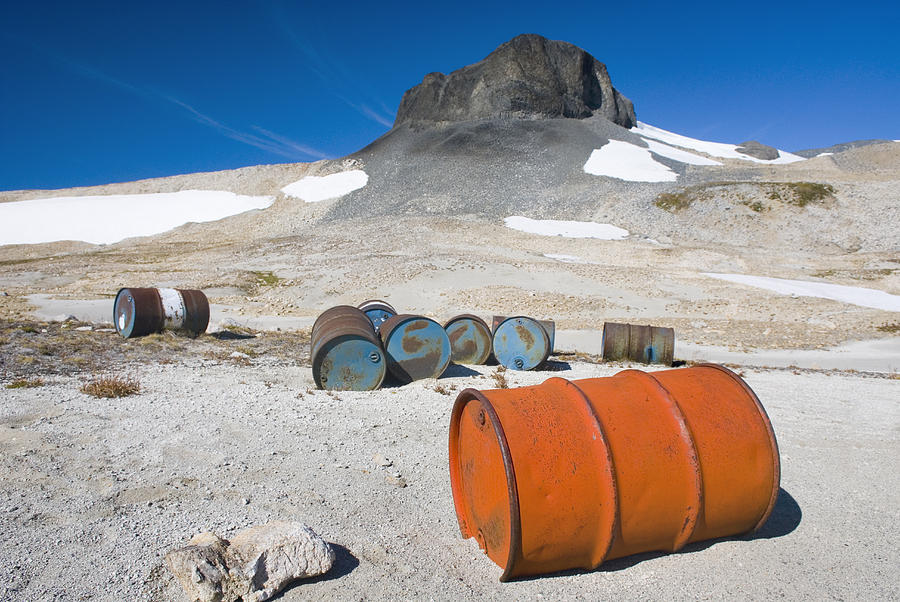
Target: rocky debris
point(839, 148)
point(200, 567)
point(527, 77)
point(752, 148)
point(382, 460)
point(254, 566)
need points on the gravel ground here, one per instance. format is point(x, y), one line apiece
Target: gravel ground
point(95, 492)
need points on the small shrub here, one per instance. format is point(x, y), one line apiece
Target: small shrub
point(26, 383)
point(111, 386)
point(439, 388)
point(804, 193)
point(266, 278)
point(500, 378)
point(673, 201)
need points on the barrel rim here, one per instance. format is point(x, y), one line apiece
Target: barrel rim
point(318, 358)
point(515, 519)
point(543, 331)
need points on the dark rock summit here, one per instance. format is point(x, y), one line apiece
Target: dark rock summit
point(529, 77)
point(752, 148)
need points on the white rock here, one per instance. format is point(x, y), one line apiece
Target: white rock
point(200, 567)
point(382, 460)
point(263, 560)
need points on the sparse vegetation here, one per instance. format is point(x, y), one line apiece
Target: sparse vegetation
point(804, 193)
point(266, 278)
point(26, 383)
point(890, 327)
point(673, 201)
point(111, 386)
point(756, 206)
point(500, 378)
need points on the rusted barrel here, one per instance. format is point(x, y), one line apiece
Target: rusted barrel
point(141, 311)
point(568, 474)
point(416, 347)
point(522, 343)
point(470, 339)
point(378, 311)
point(345, 352)
point(645, 344)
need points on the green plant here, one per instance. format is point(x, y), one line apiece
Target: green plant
point(891, 327)
point(266, 278)
point(26, 383)
point(673, 201)
point(804, 193)
point(756, 206)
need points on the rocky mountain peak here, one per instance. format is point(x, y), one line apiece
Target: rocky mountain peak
point(528, 77)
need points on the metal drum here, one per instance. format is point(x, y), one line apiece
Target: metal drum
point(522, 343)
point(470, 339)
point(378, 311)
point(416, 347)
point(142, 311)
point(569, 474)
point(645, 344)
point(345, 351)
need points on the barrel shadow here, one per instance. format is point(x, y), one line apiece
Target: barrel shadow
point(227, 335)
point(457, 370)
point(785, 518)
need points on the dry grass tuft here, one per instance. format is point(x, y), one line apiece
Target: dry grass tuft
point(500, 378)
point(26, 383)
point(111, 386)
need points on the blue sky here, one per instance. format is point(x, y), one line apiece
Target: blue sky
point(98, 92)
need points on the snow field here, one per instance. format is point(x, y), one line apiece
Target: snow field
point(111, 218)
point(313, 189)
point(567, 229)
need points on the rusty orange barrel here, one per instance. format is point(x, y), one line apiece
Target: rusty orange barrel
point(142, 311)
point(569, 474)
point(645, 344)
point(470, 339)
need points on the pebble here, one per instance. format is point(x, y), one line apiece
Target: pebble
point(382, 460)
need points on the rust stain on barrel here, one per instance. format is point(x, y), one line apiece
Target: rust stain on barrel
point(525, 335)
point(454, 336)
point(412, 344)
point(417, 325)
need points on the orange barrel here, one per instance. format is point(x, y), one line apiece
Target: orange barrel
point(568, 474)
point(470, 339)
point(416, 347)
point(345, 352)
point(645, 344)
point(378, 311)
point(142, 311)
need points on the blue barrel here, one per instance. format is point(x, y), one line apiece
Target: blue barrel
point(470, 339)
point(520, 342)
point(345, 352)
point(378, 311)
point(416, 347)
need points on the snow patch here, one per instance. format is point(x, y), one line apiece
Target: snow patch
point(626, 161)
point(716, 149)
point(313, 189)
point(110, 218)
point(568, 258)
point(864, 297)
point(824, 154)
point(567, 229)
point(676, 154)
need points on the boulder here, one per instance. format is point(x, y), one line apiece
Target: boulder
point(200, 568)
point(752, 148)
point(263, 560)
point(529, 77)
point(253, 567)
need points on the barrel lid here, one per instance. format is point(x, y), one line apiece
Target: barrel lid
point(349, 362)
point(521, 343)
point(417, 347)
point(470, 339)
